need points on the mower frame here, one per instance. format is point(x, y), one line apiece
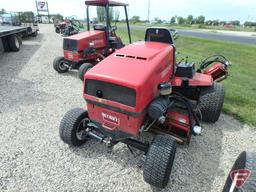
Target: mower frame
point(107, 4)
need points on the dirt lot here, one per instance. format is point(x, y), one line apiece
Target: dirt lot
point(33, 158)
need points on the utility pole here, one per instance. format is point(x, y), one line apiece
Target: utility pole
point(148, 11)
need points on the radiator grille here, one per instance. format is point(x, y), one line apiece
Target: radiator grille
point(112, 92)
point(70, 45)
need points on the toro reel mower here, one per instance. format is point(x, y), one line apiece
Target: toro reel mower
point(68, 27)
point(84, 50)
point(140, 88)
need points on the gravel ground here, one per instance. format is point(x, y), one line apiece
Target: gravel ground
point(33, 158)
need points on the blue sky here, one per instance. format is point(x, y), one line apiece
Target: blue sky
point(218, 9)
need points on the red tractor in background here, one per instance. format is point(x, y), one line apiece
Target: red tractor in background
point(82, 51)
point(141, 88)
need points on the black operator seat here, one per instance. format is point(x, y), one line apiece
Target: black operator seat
point(99, 27)
point(162, 35)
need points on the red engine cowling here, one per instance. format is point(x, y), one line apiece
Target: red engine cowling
point(119, 88)
point(74, 45)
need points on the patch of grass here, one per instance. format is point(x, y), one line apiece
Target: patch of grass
point(240, 99)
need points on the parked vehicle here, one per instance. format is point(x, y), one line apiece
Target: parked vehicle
point(84, 50)
point(141, 88)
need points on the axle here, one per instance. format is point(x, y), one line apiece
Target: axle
point(109, 142)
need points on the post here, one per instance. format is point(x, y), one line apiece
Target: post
point(149, 11)
point(48, 11)
point(37, 12)
point(88, 19)
point(128, 26)
point(107, 24)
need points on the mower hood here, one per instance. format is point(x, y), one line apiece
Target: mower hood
point(139, 66)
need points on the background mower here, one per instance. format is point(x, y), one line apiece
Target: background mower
point(68, 27)
point(82, 51)
point(141, 88)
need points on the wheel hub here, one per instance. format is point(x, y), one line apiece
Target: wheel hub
point(81, 132)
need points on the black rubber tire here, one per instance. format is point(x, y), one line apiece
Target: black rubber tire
point(35, 34)
point(159, 161)
point(14, 43)
point(20, 39)
point(6, 45)
point(57, 30)
point(246, 160)
point(69, 125)
point(58, 65)
point(210, 102)
point(83, 69)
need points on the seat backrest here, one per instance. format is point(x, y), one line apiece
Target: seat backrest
point(99, 27)
point(162, 35)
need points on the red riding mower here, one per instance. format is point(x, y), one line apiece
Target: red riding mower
point(82, 51)
point(140, 88)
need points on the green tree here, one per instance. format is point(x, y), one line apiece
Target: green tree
point(222, 23)
point(116, 15)
point(190, 19)
point(173, 20)
point(236, 23)
point(59, 17)
point(215, 22)
point(180, 20)
point(200, 19)
point(135, 19)
point(2, 11)
point(101, 13)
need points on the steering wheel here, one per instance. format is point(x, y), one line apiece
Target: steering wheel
point(113, 28)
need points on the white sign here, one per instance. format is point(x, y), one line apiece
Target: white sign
point(42, 6)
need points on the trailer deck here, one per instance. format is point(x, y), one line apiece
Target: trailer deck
point(9, 30)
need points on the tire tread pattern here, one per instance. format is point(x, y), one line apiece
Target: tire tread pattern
point(68, 126)
point(211, 101)
point(159, 161)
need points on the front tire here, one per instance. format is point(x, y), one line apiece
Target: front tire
point(73, 127)
point(159, 161)
point(35, 34)
point(246, 160)
point(83, 69)
point(58, 65)
point(57, 30)
point(14, 43)
point(211, 101)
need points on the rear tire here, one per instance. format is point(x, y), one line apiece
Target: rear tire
point(246, 160)
point(20, 39)
point(35, 34)
point(58, 65)
point(83, 69)
point(211, 101)
point(159, 161)
point(14, 43)
point(73, 127)
point(57, 30)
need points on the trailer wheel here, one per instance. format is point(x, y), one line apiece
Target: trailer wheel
point(211, 101)
point(73, 127)
point(14, 43)
point(35, 34)
point(20, 39)
point(57, 30)
point(58, 65)
point(83, 69)
point(159, 161)
point(246, 160)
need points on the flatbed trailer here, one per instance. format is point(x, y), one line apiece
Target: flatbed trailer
point(11, 37)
